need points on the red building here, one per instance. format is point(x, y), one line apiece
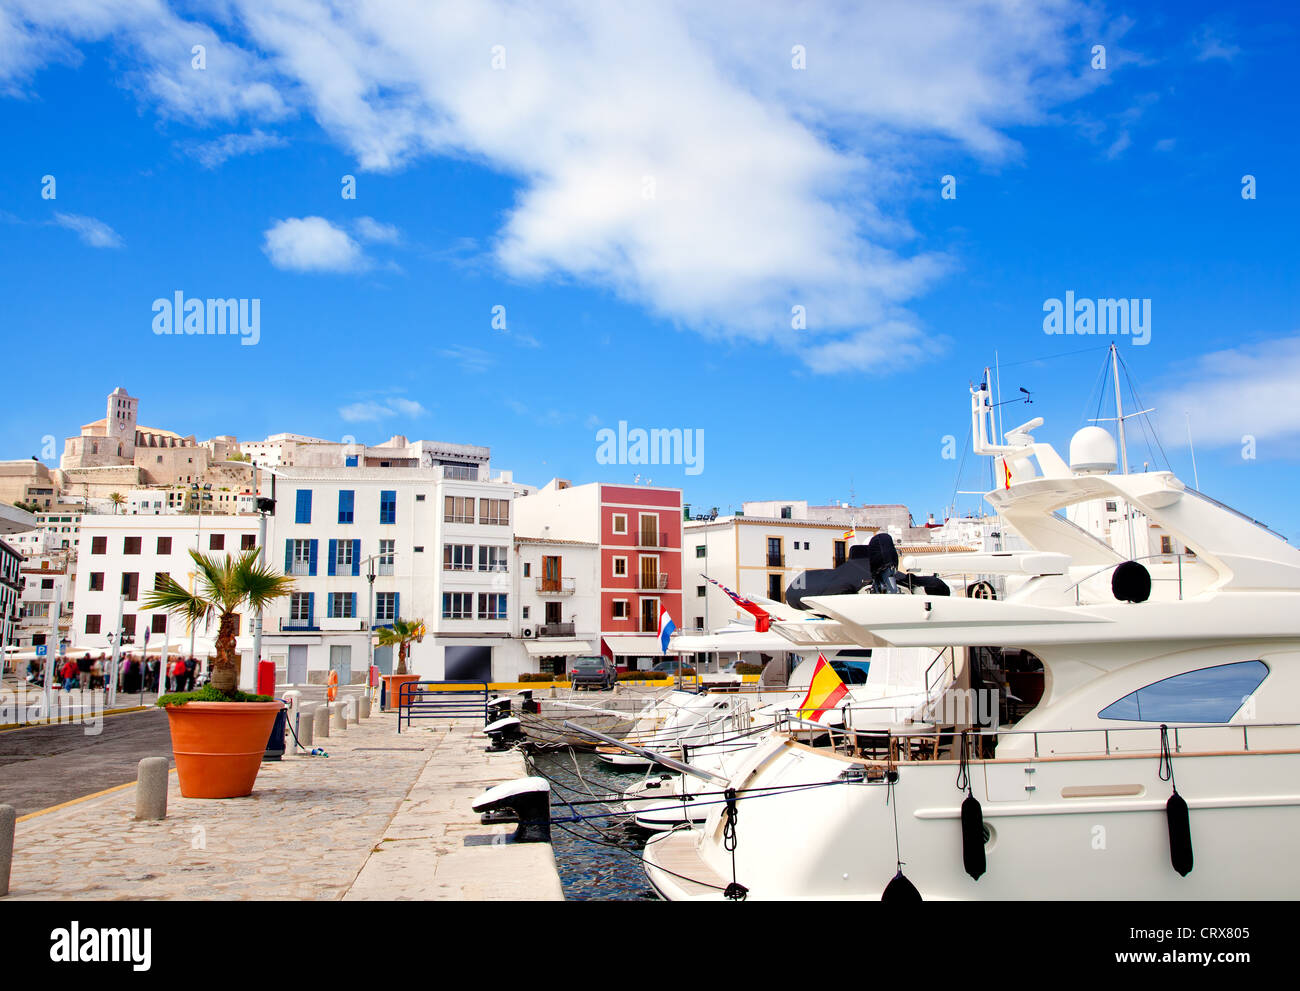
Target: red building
point(640, 567)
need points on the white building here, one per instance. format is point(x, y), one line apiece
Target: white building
point(558, 601)
point(440, 543)
point(121, 559)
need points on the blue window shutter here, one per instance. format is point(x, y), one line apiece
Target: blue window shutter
point(356, 557)
point(311, 607)
point(354, 603)
point(388, 506)
point(288, 556)
point(333, 558)
point(329, 605)
point(397, 602)
point(346, 501)
point(311, 558)
point(302, 511)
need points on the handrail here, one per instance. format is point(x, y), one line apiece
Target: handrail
point(1148, 557)
point(444, 704)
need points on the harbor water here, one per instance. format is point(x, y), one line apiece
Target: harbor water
point(599, 858)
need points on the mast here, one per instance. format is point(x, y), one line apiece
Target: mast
point(1123, 448)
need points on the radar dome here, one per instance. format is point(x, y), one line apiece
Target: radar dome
point(1092, 452)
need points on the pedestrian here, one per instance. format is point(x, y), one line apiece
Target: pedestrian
point(69, 673)
point(96, 674)
point(34, 671)
point(178, 676)
point(191, 672)
point(83, 671)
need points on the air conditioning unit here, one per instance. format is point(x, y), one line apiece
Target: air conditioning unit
point(526, 632)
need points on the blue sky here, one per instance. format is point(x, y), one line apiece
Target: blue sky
point(648, 195)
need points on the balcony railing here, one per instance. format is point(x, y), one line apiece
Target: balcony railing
point(555, 586)
point(645, 539)
point(300, 567)
point(776, 560)
point(460, 474)
point(652, 583)
point(299, 624)
point(556, 630)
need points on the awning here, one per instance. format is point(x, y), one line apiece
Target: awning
point(557, 648)
point(634, 645)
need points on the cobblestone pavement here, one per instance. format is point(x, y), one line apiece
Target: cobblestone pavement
point(311, 826)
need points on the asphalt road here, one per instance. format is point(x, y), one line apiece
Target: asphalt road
point(42, 766)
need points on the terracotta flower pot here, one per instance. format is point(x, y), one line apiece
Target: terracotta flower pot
point(392, 685)
point(219, 745)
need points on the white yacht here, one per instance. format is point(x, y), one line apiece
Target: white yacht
point(1118, 683)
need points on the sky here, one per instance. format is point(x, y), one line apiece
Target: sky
point(799, 232)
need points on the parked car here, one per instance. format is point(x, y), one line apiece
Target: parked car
point(591, 672)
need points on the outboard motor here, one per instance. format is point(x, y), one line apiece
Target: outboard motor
point(529, 704)
point(882, 559)
point(504, 733)
point(498, 707)
point(526, 801)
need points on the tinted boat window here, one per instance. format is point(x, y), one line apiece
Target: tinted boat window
point(1208, 695)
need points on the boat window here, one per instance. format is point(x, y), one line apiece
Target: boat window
point(1207, 695)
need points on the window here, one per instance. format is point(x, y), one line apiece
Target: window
point(343, 556)
point(620, 567)
point(346, 498)
point(699, 591)
point(164, 545)
point(385, 607)
point(302, 508)
point(839, 553)
point(247, 541)
point(619, 610)
point(92, 622)
point(158, 623)
point(491, 558)
point(342, 605)
point(787, 512)
point(701, 550)
point(419, 497)
point(494, 512)
point(458, 509)
point(649, 529)
point(457, 605)
point(99, 545)
point(1209, 695)
point(775, 557)
point(1166, 545)
point(217, 542)
point(386, 551)
point(1111, 507)
point(131, 585)
point(620, 523)
point(457, 557)
point(97, 581)
point(491, 605)
point(528, 569)
point(350, 461)
point(130, 545)
point(128, 625)
point(388, 506)
point(524, 613)
point(159, 578)
point(774, 588)
point(300, 606)
point(699, 622)
point(300, 561)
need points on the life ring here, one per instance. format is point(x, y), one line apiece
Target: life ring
point(981, 590)
point(332, 692)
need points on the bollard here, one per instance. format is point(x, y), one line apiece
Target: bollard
point(151, 788)
point(363, 707)
point(7, 819)
point(321, 717)
point(306, 723)
point(350, 713)
point(337, 722)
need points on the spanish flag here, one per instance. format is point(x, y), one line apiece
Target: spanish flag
point(850, 534)
point(1006, 469)
point(824, 691)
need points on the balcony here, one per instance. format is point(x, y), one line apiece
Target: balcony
point(555, 586)
point(653, 540)
point(775, 560)
point(294, 625)
point(556, 630)
point(652, 583)
point(460, 474)
point(300, 568)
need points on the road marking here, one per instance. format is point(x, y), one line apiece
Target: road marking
point(83, 798)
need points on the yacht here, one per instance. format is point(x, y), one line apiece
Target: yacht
point(1144, 740)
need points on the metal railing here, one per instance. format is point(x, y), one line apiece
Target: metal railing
point(1148, 557)
point(652, 583)
point(556, 630)
point(555, 586)
point(417, 701)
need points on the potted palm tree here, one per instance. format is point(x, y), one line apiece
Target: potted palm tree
point(219, 733)
point(401, 635)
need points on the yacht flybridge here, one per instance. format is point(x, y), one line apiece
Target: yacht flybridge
point(1059, 722)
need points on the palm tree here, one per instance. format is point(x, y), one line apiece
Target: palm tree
point(116, 498)
point(401, 634)
point(225, 585)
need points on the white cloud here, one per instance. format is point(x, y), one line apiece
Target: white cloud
point(213, 153)
point(93, 232)
point(370, 229)
point(470, 359)
point(1245, 391)
point(312, 244)
point(701, 176)
point(1209, 45)
point(370, 410)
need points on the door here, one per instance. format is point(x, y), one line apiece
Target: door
point(297, 668)
point(341, 661)
point(552, 613)
point(649, 572)
point(649, 615)
point(551, 575)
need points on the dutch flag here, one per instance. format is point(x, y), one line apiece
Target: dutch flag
point(666, 628)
